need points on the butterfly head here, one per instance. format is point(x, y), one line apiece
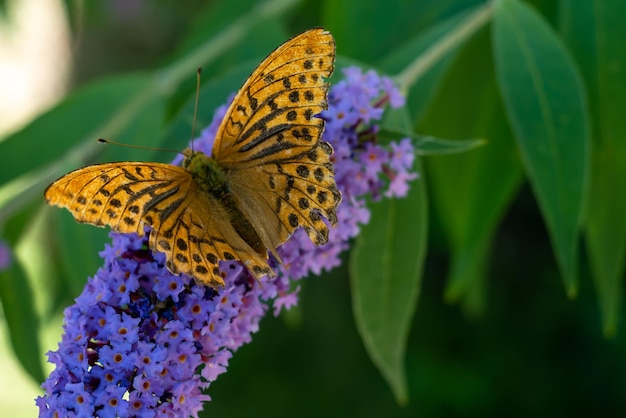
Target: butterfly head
point(195, 160)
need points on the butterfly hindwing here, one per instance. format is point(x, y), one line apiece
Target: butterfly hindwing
point(198, 235)
point(294, 193)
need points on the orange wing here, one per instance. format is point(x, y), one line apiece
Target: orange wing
point(188, 225)
point(269, 142)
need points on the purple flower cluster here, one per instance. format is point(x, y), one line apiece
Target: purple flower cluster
point(141, 342)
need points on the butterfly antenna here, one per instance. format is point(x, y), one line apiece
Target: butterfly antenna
point(195, 107)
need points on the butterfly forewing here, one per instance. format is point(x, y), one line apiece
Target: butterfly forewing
point(117, 194)
point(269, 142)
point(272, 115)
point(189, 226)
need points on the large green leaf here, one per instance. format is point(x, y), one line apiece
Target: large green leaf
point(84, 116)
point(546, 105)
point(385, 272)
point(77, 248)
point(386, 263)
point(470, 192)
point(595, 32)
point(128, 109)
point(21, 319)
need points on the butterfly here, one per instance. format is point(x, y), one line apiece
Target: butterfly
point(269, 174)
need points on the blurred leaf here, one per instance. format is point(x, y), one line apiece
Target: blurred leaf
point(430, 145)
point(128, 109)
point(22, 301)
point(262, 35)
point(21, 319)
point(396, 21)
point(84, 116)
point(471, 192)
point(435, 36)
point(204, 47)
point(262, 38)
point(385, 270)
point(546, 105)
point(3, 10)
point(77, 248)
point(33, 250)
point(74, 14)
point(599, 50)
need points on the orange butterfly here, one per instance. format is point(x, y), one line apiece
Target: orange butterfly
point(269, 174)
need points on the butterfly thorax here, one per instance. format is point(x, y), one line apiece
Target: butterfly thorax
point(208, 175)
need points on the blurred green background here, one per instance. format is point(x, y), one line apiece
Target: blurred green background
point(516, 308)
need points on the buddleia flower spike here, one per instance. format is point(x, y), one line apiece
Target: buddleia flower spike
point(143, 342)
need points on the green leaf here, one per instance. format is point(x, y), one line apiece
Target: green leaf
point(19, 295)
point(81, 118)
point(128, 109)
point(263, 36)
point(471, 192)
point(351, 21)
point(421, 62)
point(546, 105)
point(385, 271)
point(430, 145)
point(21, 319)
point(77, 248)
point(600, 53)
